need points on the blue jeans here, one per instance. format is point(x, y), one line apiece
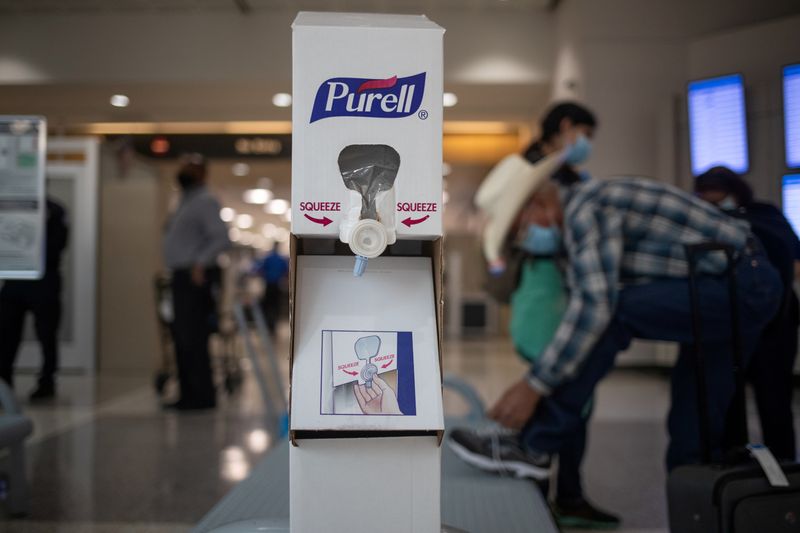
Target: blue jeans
point(660, 310)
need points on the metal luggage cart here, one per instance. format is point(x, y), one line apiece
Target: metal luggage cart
point(225, 358)
point(273, 391)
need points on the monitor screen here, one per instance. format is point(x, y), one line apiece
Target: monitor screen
point(717, 124)
point(791, 114)
point(791, 200)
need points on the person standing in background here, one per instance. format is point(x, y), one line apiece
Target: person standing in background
point(565, 124)
point(772, 364)
point(42, 298)
point(273, 269)
point(195, 236)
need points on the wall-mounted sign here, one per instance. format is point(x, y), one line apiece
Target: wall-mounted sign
point(212, 145)
point(258, 146)
point(718, 124)
point(22, 196)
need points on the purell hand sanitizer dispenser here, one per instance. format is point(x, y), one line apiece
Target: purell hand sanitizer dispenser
point(366, 375)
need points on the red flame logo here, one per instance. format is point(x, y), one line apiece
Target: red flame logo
point(377, 84)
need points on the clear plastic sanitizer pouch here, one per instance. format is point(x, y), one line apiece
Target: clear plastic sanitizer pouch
point(370, 171)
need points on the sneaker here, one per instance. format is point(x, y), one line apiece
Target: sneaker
point(498, 451)
point(583, 515)
point(43, 392)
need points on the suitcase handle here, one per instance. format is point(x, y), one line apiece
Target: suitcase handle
point(736, 419)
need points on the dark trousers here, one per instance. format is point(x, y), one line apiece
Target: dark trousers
point(271, 305)
point(42, 298)
point(770, 374)
point(569, 487)
point(660, 310)
point(195, 316)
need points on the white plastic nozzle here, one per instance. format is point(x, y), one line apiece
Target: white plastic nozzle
point(368, 239)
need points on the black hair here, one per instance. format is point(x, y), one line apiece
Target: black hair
point(192, 170)
point(576, 113)
point(726, 180)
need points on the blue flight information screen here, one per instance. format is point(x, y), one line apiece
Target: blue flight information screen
point(717, 124)
point(791, 200)
point(791, 114)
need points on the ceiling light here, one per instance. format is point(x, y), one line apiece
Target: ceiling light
point(282, 99)
point(234, 234)
point(257, 196)
point(258, 241)
point(282, 235)
point(449, 99)
point(159, 145)
point(247, 238)
point(227, 214)
point(120, 100)
point(277, 206)
point(258, 441)
point(269, 230)
point(240, 169)
point(244, 221)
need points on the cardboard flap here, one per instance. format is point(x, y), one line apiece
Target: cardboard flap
point(351, 21)
point(365, 350)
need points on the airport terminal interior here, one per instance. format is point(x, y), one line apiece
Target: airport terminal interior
point(180, 255)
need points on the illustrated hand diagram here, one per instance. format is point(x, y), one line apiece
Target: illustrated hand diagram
point(379, 399)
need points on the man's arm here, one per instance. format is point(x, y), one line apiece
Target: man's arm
point(215, 231)
point(594, 249)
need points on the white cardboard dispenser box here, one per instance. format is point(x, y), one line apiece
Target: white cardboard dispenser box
point(366, 454)
point(366, 416)
point(364, 81)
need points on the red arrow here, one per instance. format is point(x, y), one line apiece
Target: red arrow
point(387, 364)
point(414, 221)
point(348, 372)
point(324, 220)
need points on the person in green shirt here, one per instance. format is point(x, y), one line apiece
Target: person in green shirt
point(539, 298)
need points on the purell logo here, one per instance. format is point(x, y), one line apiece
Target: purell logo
point(361, 97)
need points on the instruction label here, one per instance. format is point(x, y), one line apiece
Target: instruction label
point(367, 373)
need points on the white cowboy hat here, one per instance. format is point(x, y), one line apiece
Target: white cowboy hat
point(505, 190)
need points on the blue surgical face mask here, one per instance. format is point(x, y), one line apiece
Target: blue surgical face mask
point(579, 151)
point(728, 204)
point(540, 240)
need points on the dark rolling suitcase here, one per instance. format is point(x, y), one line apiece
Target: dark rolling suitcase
point(736, 497)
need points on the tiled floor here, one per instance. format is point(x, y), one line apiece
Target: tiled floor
point(106, 458)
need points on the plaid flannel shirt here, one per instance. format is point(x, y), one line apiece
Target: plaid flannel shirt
point(628, 230)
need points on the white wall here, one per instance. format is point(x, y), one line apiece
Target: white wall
point(758, 52)
point(129, 258)
point(629, 61)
